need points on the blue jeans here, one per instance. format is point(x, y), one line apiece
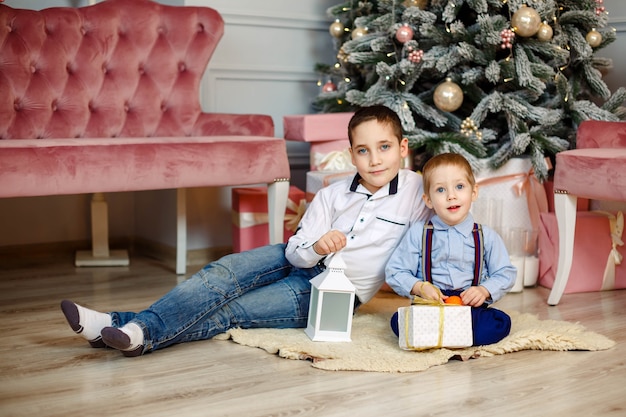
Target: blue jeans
point(257, 288)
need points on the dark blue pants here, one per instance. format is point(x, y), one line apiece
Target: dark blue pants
point(489, 325)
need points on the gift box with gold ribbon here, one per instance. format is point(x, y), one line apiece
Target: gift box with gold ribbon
point(598, 252)
point(428, 325)
point(250, 220)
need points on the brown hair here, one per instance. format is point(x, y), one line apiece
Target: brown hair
point(446, 159)
point(382, 114)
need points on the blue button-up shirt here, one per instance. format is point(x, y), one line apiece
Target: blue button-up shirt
point(452, 260)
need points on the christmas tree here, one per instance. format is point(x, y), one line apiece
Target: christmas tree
point(490, 79)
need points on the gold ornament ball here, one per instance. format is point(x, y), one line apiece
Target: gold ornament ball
point(448, 96)
point(545, 32)
point(421, 4)
point(336, 29)
point(525, 21)
point(358, 32)
point(594, 38)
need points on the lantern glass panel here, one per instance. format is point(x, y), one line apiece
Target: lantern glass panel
point(315, 295)
point(335, 311)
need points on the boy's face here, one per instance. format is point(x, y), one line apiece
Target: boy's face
point(450, 194)
point(377, 154)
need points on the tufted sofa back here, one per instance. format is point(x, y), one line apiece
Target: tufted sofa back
point(120, 68)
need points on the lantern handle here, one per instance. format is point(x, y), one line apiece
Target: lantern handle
point(334, 260)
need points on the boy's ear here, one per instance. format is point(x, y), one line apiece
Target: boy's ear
point(404, 147)
point(475, 192)
point(427, 201)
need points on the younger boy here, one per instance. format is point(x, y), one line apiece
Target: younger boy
point(446, 265)
point(365, 217)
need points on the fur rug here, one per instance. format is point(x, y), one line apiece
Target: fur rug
point(374, 347)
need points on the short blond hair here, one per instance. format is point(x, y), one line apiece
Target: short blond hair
point(445, 159)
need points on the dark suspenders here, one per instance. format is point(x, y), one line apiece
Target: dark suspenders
point(427, 247)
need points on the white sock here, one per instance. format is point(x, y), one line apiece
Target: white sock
point(92, 322)
point(134, 333)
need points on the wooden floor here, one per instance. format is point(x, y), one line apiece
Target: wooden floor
point(46, 370)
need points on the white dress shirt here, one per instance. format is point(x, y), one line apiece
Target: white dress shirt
point(373, 225)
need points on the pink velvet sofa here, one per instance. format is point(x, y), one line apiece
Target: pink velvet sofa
point(105, 98)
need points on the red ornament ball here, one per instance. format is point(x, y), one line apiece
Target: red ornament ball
point(329, 87)
point(404, 34)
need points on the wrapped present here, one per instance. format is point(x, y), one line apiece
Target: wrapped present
point(250, 219)
point(316, 180)
point(597, 258)
point(317, 127)
point(335, 160)
point(423, 327)
point(512, 191)
point(326, 133)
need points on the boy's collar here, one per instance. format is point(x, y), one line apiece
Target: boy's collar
point(393, 184)
point(465, 227)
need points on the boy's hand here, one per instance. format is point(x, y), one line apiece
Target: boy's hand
point(475, 296)
point(426, 290)
point(331, 242)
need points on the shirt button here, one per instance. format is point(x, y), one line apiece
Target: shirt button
point(362, 220)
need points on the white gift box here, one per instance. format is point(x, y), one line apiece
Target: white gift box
point(434, 326)
point(503, 196)
point(316, 180)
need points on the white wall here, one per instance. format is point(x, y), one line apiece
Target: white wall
point(264, 64)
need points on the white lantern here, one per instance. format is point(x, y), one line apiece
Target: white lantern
point(332, 304)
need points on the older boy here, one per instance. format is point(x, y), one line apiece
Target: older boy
point(365, 217)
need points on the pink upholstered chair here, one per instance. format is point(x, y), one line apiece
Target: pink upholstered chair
point(105, 98)
point(595, 169)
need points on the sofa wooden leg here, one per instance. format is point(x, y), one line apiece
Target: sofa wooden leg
point(100, 254)
point(277, 195)
point(181, 231)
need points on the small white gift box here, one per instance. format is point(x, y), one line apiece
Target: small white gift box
point(316, 180)
point(423, 327)
point(509, 197)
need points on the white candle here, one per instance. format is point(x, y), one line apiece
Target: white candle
point(531, 270)
point(518, 262)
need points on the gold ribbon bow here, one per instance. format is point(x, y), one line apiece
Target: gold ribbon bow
point(528, 184)
point(334, 161)
point(426, 301)
point(616, 224)
point(292, 220)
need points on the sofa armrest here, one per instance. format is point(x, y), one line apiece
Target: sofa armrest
point(224, 124)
